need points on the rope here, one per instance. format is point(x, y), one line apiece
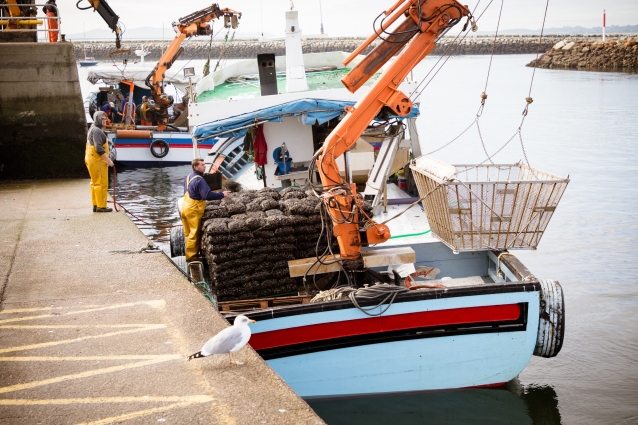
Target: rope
point(371, 293)
point(225, 47)
point(453, 43)
point(489, 69)
point(407, 235)
point(115, 189)
point(538, 48)
point(416, 202)
point(366, 294)
point(150, 247)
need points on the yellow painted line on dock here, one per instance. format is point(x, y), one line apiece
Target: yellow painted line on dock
point(138, 414)
point(83, 359)
point(87, 374)
point(152, 303)
point(29, 310)
point(106, 400)
point(84, 338)
point(134, 325)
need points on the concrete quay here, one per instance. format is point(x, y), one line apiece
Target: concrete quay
point(92, 332)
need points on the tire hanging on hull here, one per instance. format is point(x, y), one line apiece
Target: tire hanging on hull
point(163, 147)
point(551, 323)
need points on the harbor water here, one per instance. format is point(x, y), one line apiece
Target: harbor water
point(581, 124)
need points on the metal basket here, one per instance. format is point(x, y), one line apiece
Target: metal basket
point(479, 207)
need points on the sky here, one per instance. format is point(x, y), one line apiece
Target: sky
point(346, 18)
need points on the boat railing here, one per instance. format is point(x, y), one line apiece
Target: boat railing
point(38, 19)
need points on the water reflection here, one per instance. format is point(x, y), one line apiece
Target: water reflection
point(512, 404)
point(150, 196)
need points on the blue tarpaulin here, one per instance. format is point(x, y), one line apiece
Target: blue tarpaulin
point(312, 111)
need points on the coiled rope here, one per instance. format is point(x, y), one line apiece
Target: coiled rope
point(384, 292)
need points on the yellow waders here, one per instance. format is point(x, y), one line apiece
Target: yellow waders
point(98, 170)
point(192, 212)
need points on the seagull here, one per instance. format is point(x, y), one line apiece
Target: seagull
point(228, 340)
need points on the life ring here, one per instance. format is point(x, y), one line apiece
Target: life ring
point(163, 147)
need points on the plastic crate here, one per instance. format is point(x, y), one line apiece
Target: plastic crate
point(480, 207)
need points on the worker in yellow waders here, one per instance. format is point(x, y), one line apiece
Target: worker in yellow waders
point(196, 193)
point(96, 158)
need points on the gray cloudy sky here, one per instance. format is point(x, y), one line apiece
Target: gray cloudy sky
point(347, 17)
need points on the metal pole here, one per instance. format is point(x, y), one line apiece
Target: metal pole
point(604, 23)
point(321, 16)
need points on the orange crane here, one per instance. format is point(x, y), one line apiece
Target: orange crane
point(425, 21)
point(192, 25)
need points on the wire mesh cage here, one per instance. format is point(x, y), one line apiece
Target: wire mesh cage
point(492, 206)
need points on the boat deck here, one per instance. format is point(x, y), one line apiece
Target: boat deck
point(248, 86)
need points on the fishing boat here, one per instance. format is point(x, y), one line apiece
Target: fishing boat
point(458, 310)
point(136, 145)
point(296, 100)
point(88, 60)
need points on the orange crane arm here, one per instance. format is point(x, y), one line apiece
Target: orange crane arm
point(425, 21)
point(192, 25)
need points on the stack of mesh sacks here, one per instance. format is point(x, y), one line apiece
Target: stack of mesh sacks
point(249, 237)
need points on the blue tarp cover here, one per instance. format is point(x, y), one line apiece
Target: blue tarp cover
point(312, 111)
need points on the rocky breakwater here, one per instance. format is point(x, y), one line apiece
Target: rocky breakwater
point(244, 49)
point(611, 55)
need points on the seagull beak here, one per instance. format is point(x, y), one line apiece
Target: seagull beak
point(252, 321)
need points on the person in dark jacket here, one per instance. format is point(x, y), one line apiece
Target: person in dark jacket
point(196, 193)
point(96, 158)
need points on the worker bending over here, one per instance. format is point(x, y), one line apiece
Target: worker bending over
point(196, 193)
point(96, 158)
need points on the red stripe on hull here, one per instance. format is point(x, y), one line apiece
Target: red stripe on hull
point(373, 325)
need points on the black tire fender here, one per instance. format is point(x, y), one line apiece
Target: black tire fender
point(178, 244)
point(163, 147)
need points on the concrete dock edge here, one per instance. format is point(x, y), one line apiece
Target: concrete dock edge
point(94, 332)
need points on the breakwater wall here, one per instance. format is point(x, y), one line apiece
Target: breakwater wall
point(619, 54)
point(42, 119)
point(245, 49)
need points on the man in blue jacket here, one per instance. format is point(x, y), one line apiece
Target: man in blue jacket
point(196, 193)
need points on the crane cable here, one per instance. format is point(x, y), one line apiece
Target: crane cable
point(528, 101)
point(224, 48)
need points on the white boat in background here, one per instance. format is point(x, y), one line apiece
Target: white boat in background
point(143, 145)
point(297, 99)
point(88, 61)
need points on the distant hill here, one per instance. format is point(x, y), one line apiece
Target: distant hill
point(613, 29)
point(150, 33)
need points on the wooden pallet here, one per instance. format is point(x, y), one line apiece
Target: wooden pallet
point(120, 126)
point(262, 303)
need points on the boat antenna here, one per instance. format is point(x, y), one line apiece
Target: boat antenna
point(262, 18)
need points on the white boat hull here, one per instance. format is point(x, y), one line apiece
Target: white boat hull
point(137, 152)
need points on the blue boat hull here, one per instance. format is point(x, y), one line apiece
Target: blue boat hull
point(429, 344)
